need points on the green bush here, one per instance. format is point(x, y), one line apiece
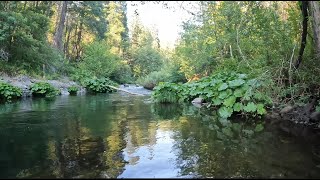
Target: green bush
point(123, 75)
point(166, 74)
point(24, 36)
point(9, 92)
point(146, 60)
point(228, 92)
point(99, 85)
point(44, 89)
point(73, 90)
point(97, 61)
point(152, 79)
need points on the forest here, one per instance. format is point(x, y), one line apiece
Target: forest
point(238, 72)
point(274, 43)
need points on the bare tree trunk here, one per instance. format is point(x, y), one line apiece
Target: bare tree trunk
point(314, 9)
point(304, 9)
point(60, 27)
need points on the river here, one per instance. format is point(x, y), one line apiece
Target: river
point(119, 135)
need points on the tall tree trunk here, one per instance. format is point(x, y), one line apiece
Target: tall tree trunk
point(314, 10)
point(60, 27)
point(78, 48)
point(74, 44)
point(304, 9)
point(67, 36)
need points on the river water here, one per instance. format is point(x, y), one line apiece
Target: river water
point(119, 135)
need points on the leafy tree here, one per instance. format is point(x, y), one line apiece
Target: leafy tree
point(97, 61)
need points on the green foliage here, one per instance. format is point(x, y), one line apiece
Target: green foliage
point(97, 62)
point(99, 85)
point(229, 92)
point(44, 89)
point(123, 75)
point(145, 60)
point(23, 37)
point(153, 79)
point(9, 92)
point(73, 90)
point(168, 92)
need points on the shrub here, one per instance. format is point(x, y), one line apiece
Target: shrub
point(167, 92)
point(73, 90)
point(97, 62)
point(99, 85)
point(123, 75)
point(44, 89)
point(9, 92)
point(145, 60)
point(228, 92)
point(153, 79)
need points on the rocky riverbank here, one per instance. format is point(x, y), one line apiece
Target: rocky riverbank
point(24, 82)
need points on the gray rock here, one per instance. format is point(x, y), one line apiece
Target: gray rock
point(197, 101)
point(286, 109)
point(315, 116)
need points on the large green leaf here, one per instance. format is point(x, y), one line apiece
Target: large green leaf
point(217, 101)
point(237, 107)
point(242, 76)
point(250, 107)
point(223, 86)
point(236, 82)
point(229, 101)
point(258, 96)
point(225, 112)
point(260, 109)
point(225, 94)
point(238, 92)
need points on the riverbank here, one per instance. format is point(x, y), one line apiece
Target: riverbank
point(295, 116)
point(24, 82)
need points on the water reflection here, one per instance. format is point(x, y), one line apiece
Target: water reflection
point(124, 136)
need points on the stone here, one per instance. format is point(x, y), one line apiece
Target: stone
point(197, 101)
point(315, 116)
point(286, 109)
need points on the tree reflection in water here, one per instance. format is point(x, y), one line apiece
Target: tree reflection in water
point(121, 136)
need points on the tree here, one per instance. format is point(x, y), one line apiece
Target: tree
point(58, 41)
point(116, 31)
point(314, 10)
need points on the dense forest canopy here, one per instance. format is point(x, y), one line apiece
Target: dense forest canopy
point(275, 41)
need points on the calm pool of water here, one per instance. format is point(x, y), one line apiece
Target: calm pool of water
point(124, 136)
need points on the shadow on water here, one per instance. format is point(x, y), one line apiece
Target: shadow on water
point(124, 136)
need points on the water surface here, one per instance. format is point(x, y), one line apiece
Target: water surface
point(124, 136)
